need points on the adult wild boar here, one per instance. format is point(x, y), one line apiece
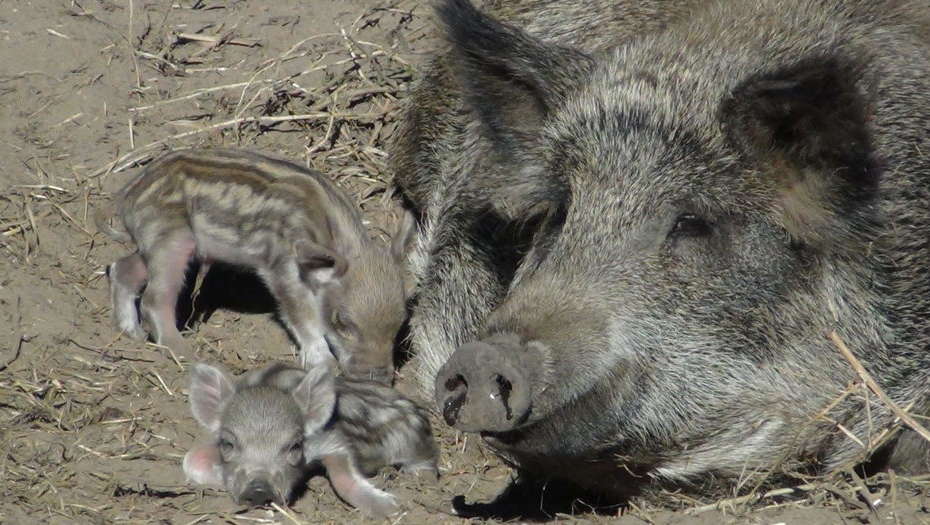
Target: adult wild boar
point(636, 234)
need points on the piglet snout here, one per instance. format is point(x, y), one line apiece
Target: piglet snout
point(258, 492)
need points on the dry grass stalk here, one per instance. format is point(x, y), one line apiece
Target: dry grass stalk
point(216, 40)
point(877, 390)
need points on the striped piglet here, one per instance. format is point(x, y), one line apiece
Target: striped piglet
point(338, 291)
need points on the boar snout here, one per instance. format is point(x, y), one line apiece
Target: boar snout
point(258, 492)
point(488, 385)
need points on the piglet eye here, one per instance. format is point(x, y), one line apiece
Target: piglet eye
point(341, 326)
point(690, 225)
point(225, 445)
point(295, 453)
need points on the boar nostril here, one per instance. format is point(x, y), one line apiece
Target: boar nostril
point(454, 382)
point(450, 411)
point(453, 404)
point(504, 386)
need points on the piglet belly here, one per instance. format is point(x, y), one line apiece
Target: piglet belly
point(217, 245)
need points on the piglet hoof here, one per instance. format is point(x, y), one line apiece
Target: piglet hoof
point(380, 504)
point(178, 348)
point(135, 332)
point(487, 385)
point(425, 472)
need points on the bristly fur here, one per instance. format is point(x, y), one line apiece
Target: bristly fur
point(711, 187)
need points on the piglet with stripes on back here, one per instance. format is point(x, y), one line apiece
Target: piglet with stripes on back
point(338, 291)
point(269, 426)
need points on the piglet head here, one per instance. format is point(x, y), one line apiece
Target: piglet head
point(257, 431)
point(365, 312)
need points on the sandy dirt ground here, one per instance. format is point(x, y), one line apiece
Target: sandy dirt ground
point(93, 425)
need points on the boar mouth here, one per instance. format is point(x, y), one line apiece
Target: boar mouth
point(501, 439)
point(510, 445)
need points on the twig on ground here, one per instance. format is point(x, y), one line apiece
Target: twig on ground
point(132, 47)
point(751, 498)
point(216, 40)
point(287, 514)
point(19, 347)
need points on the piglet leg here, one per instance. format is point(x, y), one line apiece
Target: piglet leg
point(355, 489)
point(202, 271)
point(299, 308)
point(167, 264)
point(127, 278)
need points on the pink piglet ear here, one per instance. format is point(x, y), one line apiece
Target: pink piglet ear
point(319, 265)
point(316, 397)
point(210, 388)
point(202, 466)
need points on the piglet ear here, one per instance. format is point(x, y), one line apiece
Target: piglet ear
point(210, 388)
point(319, 265)
point(202, 465)
point(405, 234)
point(316, 397)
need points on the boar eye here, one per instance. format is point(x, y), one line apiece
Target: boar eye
point(690, 225)
point(225, 445)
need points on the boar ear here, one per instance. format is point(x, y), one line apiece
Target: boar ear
point(509, 78)
point(316, 397)
point(405, 234)
point(531, 197)
point(808, 124)
point(318, 265)
point(210, 388)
